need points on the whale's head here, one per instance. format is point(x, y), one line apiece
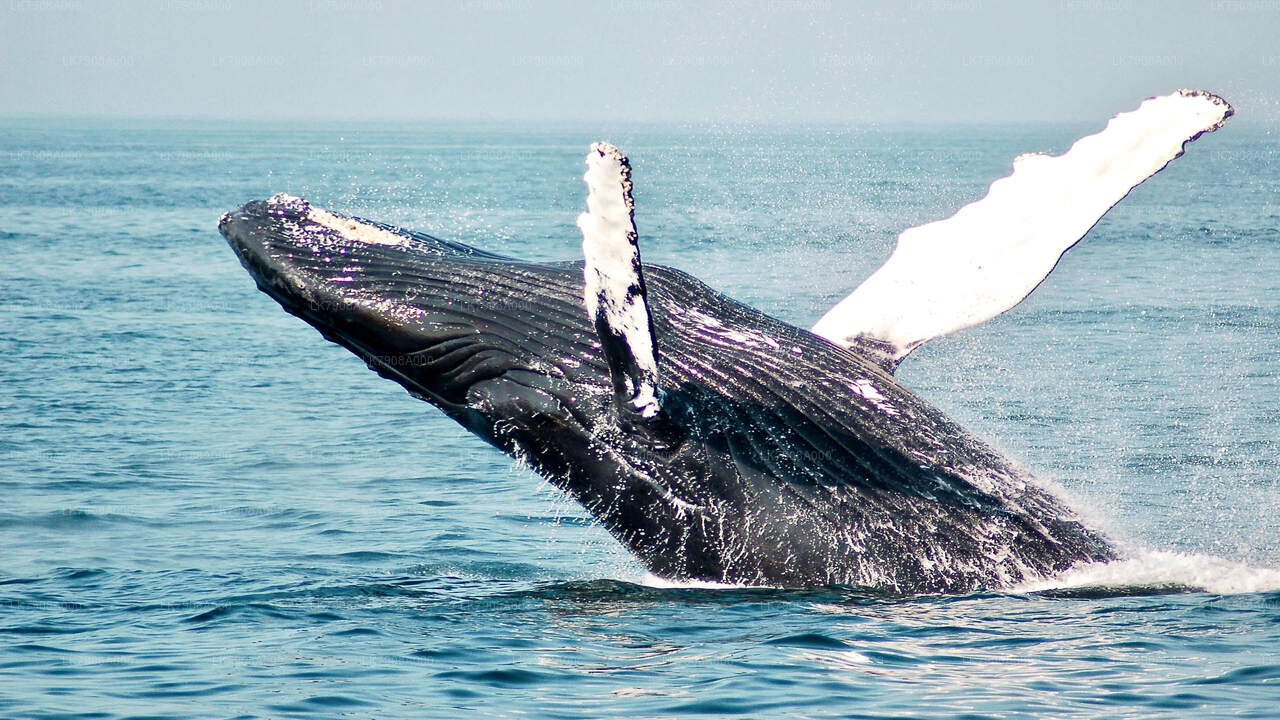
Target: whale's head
point(443, 319)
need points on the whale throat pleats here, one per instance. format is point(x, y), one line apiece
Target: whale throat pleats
point(966, 269)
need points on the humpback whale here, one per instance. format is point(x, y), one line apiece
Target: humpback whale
point(712, 440)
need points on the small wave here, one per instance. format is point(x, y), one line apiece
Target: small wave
point(1154, 572)
point(813, 641)
point(501, 678)
point(327, 703)
point(69, 518)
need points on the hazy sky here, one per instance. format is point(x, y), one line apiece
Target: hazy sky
point(648, 60)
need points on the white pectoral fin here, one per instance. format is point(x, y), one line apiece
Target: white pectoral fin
point(954, 273)
point(614, 290)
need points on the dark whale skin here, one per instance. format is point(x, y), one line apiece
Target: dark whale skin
point(780, 458)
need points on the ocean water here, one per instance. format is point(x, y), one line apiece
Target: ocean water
point(209, 511)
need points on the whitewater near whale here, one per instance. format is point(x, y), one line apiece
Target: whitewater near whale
point(713, 441)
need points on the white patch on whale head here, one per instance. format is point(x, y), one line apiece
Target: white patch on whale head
point(354, 230)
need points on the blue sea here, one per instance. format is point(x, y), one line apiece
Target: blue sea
point(206, 510)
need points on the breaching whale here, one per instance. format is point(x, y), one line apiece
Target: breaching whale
point(713, 441)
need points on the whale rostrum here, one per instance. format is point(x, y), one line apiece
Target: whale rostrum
point(715, 442)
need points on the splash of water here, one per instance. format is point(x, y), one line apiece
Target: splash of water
point(1156, 568)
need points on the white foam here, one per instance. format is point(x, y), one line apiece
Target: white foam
point(1156, 568)
point(654, 581)
point(1148, 569)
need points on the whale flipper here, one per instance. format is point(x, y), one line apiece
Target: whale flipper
point(614, 289)
point(954, 273)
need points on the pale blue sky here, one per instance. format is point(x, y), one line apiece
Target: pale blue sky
point(645, 60)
